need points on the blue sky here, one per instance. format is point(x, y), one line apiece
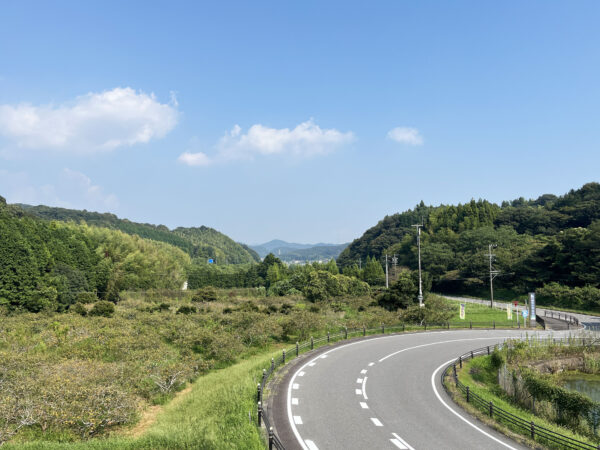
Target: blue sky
point(305, 121)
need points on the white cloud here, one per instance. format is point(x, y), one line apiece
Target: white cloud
point(91, 123)
point(71, 189)
point(305, 140)
point(195, 159)
point(405, 135)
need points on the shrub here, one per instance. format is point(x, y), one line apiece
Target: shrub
point(186, 310)
point(497, 359)
point(206, 294)
point(78, 308)
point(103, 308)
point(86, 297)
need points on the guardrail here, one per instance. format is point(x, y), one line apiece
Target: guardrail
point(536, 432)
point(293, 352)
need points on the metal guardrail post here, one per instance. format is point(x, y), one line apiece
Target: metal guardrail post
point(258, 392)
point(425, 325)
point(454, 367)
point(328, 337)
point(271, 438)
point(283, 357)
point(491, 409)
point(468, 392)
point(494, 324)
point(448, 325)
point(364, 331)
point(488, 349)
point(460, 361)
point(260, 412)
point(297, 348)
point(471, 354)
point(403, 327)
point(345, 332)
point(382, 328)
point(264, 375)
point(312, 343)
point(272, 364)
point(532, 430)
point(470, 324)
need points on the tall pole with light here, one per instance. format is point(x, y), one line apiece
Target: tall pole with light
point(420, 297)
point(493, 272)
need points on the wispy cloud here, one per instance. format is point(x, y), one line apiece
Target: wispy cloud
point(71, 189)
point(405, 135)
point(91, 123)
point(305, 140)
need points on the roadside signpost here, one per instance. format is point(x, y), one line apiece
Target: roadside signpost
point(462, 310)
point(509, 312)
point(211, 261)
point(532, 319)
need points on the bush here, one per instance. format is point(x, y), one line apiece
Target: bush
point(103, 308)
point(86, 297)
point(497, 360)
point(206, 294)
point(186, 310)
point(78, 308)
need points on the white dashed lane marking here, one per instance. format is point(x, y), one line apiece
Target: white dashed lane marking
point(359, 380)
point(363, 371)
point(295, 386)
point(376, 421)
point(300, 374)
point(358, 391)
point(298, 420)
point(363, 405)
point(294, 401)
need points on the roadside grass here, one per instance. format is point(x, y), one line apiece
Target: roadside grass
point(479, 375)
point(213, 415)
point(479, 314)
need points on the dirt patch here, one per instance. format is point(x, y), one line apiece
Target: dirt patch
point(151, 413)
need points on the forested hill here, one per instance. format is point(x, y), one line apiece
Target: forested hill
point(202, 242)
point(549, 239)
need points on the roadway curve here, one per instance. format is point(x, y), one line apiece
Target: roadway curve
point(382, 393)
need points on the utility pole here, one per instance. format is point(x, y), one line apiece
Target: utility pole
point(420, 297)
point(394, 263)
point(493, 273)
point(359, 263)
point(387, 278)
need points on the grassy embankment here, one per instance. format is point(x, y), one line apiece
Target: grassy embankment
point(481, 378)
point(483, 315)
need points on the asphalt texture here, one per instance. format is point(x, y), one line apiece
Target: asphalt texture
point(382, 393)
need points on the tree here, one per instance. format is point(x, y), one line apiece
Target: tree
point(332, 267)
point(373, 273)
point(401, 294)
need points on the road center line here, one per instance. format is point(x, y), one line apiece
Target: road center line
point(376, 421)
point(401, 442)
point(364, 388)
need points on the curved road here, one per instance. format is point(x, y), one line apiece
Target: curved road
point(383, 393)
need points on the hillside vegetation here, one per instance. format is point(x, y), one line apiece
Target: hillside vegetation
point(550, 243)
point(201, 242)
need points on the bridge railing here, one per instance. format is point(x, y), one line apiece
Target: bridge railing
point(535, 431)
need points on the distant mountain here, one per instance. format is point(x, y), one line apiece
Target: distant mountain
point(201, 242)
point(290, 251)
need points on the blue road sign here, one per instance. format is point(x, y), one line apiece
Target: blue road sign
point(211, 261)
point(525, 313)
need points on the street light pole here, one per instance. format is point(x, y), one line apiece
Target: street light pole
point(420, 297)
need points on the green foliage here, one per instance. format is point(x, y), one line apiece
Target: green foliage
point(103, 308)
point(436, 310)
point(496, 359)
point(539, 242)
point(186, 309)
point(206, 294)
point(373, 272)
point(202, 242)
point(79, 308)
point(402, 294)
point(587, 297)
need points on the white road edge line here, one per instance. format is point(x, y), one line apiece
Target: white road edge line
point(433, 376)
point(376, 421)
point(402, 441)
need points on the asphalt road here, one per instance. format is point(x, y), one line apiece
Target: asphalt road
point(383, 393)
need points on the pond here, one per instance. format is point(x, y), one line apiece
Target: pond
point(587, 386)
